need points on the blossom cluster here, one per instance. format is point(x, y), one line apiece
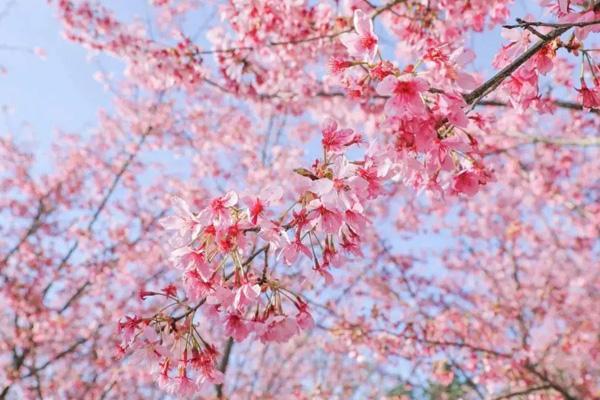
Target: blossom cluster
point(228, 251)
point(428, 125)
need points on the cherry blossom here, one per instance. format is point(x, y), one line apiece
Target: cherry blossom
point(362, 43)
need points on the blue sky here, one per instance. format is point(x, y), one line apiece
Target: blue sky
point(43, 95)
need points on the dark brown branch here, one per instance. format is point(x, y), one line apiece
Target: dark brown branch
point(386, 7)
point(33, 227)
point(18, 360)
point(57, 357)
point(558, 103)
point(190, 310)
point(563, 391)
point(495, 81)
point(524, 24)
point(556, 141)
point(223, 365)
point(254, 255)
point(523, 392)
point(107, 391)
point(569, 105)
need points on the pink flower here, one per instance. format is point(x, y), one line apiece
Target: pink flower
point(323, 271)
point(182, 386)
point(329, 220)
point(184, 221)
point(272, 233)
point(405, 94)
point(582, 32)
point(187, 259)
point(221, 296)
point(351, 246)
point(544, 59)
point(195, 286)
point(143, 293)
point(382, 69)
point(520, 40)
point(255, 209)
point(245, 295)
point(441, 150)
point(331, 257)
point(590, 98)
point(205, 363)
point(170, 290)
point(229, 237)
point(369, 172)
point(452, 105)
point(163, 380)
point(303, 318)
point(335, 140)
point(218, 212)
point(279, 329)
point(258, 205)
point(236, 327)
point(466, 182)
point(338, 65)
point(363, 42)
point(129, 327)
point(355, 218)
point(523, 87)
point(291, 251)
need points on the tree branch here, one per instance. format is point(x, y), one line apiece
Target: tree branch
point(523, 392)
point(564, 392)
point(485, 88)
point(223, 365)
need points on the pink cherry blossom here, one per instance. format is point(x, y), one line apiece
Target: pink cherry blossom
point(362, 43)
point(182, 386)
point(304, 319)
point(466, 182)
point(279, 329)
point(291, 250)
point(236, 327)
point(196, 287)
point(334, 139)
point(218, 211)
point(405, 95)
point(187, 258)
point(590, 98)
point(246, 295)
point(184, 222)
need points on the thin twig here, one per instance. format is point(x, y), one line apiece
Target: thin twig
point(523, 392)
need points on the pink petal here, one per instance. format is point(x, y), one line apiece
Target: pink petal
point(352, 43)
point(386, 86)
point(322, 186)
point(362, 23)
point(230, 199)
